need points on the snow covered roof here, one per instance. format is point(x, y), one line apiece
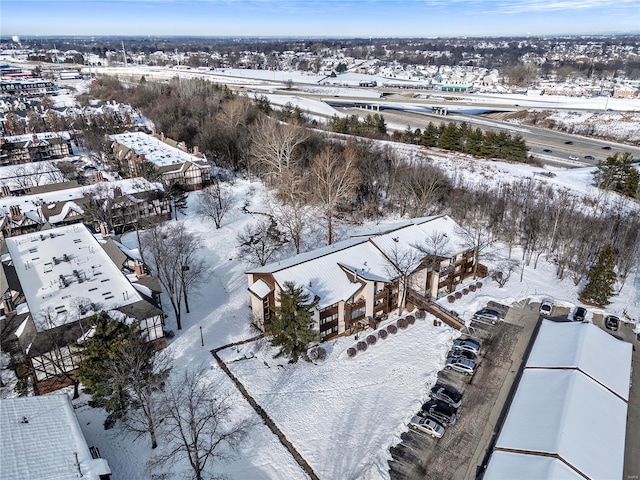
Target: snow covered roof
point(566, 414)
point(260, 289)
point(509, 465)
point(41, 438)
point(154, 150)
point(27, 137)
point(585, 347)
point(64, 270)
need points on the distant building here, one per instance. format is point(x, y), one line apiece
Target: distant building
point(19, 149)
point(53, 282)
point(41, 438)
point(171, 158)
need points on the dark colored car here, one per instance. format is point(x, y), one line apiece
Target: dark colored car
point(439, 411)
point(547, 150)
point(607, 147)
point(446, 394)
point(579, 314)
point(568, 142)
point(589, 157)
point(611, 322)
point(459, 353)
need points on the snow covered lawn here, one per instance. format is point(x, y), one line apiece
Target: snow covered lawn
point(342, 414)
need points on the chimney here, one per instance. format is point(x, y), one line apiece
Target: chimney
point(99, 177)
point(117, 192)
point(104, 229)
point(16, 214)
point(35, 138)
point(6, 191)
point(196, 150)
point(8, 305)
point(139, 270)
point(162, 137)
point(153, 131)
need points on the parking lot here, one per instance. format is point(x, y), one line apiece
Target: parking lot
point(462, 452)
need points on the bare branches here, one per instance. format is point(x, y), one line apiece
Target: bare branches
point(197, 425)
point(260, 242)
point(214, 202)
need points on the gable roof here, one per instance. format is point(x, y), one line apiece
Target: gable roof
point(585, 347)
point(41, 438)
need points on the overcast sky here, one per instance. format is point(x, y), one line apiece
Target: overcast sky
point(318, 18)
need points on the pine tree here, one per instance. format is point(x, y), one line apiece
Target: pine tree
point(95, 352)
point(602, 278)
point(290, 327)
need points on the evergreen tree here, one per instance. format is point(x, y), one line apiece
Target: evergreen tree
point(430, 136)
point(95, 352)
point(602, 278)
point(290, 327)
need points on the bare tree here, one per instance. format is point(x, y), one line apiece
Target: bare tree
point(503, 272)
point(197, 425)
point(475, 236)
point(274, 145)
point(214, 202)
point(260, 242)
point(337, 179)
point(171, 251)
point(401, 262)
point(293, 218)
point(436, 243)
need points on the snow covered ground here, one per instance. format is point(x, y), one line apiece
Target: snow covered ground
point(342, 414)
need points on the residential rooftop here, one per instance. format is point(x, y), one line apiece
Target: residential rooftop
point(66, 275)
point(154, 150)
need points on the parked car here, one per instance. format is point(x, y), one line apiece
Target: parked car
point(606, 147)
point(462, 365)
point(487, 314)
point(427, 425)
point(467, 344)
point(611, 322)
point(546, 307)
point(446, 394)
point(438, 411)
point(547, 150)
point(589, 157)
point(580, 314)
point(459, 353)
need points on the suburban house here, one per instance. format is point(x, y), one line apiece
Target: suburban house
point(120, 204)
point(358, 281)
point(41, 438)
point(19, 149)
point(52, 283)
point(171, 158)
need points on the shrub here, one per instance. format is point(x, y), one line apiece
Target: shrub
point(411, 319)
point(392, 329)
point(478, 284)
point(371, 339)
point(421, 314)
point(451, 298)
point(382, 334)
point(361, 346)
point(472, 288)
point(458, 295)
point(465, 291)
point(402, 323)
point(351, 352)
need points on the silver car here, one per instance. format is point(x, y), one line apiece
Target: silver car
point(546, 307)
point(427, 425)
point(462, 365)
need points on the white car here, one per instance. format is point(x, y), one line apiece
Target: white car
point(574, 157)
point(462, 365)
point(427, 425)
point(546, 307)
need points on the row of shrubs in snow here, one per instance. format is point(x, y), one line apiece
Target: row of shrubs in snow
point(465, 291)
point(384, 332)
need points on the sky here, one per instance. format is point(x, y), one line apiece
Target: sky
point(318, 18)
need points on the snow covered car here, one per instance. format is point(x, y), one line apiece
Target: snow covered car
point(438, 411)
point(467, 344)
point(487, 314)
point(427, 425)
point(446, 394)
point(462, 365)
point(546, 306)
